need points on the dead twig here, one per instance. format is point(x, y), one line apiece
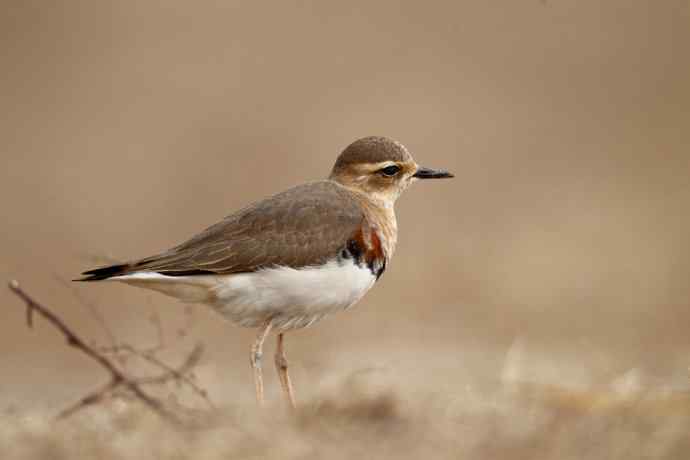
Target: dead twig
point(93, 310)
point(118, 379)
point(179, 375)
point(94, 397)
point(121, 352)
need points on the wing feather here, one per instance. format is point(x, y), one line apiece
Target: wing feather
point(303, 226)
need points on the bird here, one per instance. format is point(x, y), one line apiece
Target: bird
point(286, 262)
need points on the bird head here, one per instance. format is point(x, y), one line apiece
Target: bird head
point(380, 168)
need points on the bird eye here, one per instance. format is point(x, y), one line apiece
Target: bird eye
point(390, 171)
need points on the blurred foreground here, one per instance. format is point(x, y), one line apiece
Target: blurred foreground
point(378, 413)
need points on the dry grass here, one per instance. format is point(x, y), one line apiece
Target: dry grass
point(378, 414)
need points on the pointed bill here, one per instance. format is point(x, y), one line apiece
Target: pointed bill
point(428, 173)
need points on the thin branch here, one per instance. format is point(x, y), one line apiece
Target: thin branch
point(95, 312)
point(156, 320)
point(94, 397)
point(180, 374)
point(118, 378)
point(29, 312)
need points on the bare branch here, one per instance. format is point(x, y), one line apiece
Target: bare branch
point(180, 374)
point(94, 397)
point(155, 319)
point(118, 378)
point(95, 312)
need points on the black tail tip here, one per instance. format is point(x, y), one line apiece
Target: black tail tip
point(103, 273)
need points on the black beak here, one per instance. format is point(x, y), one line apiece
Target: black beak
point(428, 173)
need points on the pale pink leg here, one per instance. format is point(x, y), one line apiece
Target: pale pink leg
point(282, 368)
point(255, 359)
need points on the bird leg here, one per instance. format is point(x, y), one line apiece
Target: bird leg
point(282, 368)
point(255, 359)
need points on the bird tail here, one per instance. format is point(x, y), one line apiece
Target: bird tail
point(103, 273)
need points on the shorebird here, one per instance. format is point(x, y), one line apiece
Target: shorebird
point(286, 262)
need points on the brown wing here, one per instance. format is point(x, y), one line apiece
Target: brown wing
point(306, 225)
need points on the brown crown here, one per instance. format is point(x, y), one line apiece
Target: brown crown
point(372, 149)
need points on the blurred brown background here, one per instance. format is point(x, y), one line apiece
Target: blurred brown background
point(128, 126)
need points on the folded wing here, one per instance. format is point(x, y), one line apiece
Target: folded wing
point(303, 226)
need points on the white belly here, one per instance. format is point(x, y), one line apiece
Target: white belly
point(292, 298)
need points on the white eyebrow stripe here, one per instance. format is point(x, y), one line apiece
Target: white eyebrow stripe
point(380, 165)
point(385, 164)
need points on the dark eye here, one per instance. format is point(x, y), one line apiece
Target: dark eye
point(390, 171)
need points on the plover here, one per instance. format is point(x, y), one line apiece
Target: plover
point(286, 262)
